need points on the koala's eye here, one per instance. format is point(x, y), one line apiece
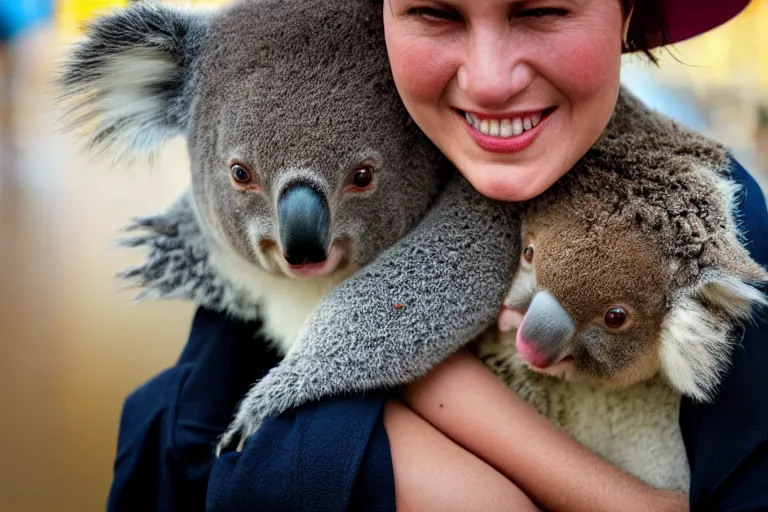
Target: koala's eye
point(615, 318)
point(528, 254)
point(240, 174)
point(360, 178)
point(363, 177)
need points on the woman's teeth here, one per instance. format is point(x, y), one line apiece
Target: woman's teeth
point(503, 127)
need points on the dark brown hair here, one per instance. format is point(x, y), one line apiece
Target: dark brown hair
point(647, 28)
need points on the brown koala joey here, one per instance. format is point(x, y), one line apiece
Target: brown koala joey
point(630, 288)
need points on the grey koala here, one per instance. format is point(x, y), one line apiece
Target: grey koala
point(305, 167)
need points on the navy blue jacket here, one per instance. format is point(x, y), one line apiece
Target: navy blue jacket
point(334, 455)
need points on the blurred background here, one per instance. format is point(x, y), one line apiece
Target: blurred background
point(72, 345)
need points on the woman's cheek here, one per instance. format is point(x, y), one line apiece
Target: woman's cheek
point(583, 64)
point(421, 68)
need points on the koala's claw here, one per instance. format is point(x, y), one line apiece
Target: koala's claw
point(245, 425)
point(239, 431)
point(274, 394)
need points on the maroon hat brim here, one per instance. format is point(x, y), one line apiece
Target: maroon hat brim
point(689, 18)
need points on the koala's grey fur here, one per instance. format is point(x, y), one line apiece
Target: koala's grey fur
point(135, 80)
point(178, 264)
point(301, 94)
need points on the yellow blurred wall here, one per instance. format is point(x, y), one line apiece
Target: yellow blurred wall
point(72, 14)
point(733, 54)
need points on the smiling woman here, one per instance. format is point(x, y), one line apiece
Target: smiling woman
point(475, 67)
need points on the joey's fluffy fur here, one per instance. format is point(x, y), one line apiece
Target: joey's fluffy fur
point(301, 92)
point(643, 223)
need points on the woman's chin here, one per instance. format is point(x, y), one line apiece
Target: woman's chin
point(510, 183)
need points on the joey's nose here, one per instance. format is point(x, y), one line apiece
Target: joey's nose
point(304, 222)
point(546, 329)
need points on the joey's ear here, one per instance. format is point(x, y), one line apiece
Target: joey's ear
point(733, 296)
point(698, 332)
point(131, 80)
point(697, 335)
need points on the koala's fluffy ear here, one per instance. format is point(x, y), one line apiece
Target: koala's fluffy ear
point(131, 80)
point(697, 335)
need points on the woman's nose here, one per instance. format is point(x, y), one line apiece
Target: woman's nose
point(492, 74)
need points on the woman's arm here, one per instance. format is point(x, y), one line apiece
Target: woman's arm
point(432, 473)
point(466, 401)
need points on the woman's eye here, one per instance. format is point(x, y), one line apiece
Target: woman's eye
point(541, 12)
point(240, 174)
point(432, 14)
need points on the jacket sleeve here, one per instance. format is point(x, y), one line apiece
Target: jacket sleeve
point(331, 455)
point(727, 440)
point(170, 424)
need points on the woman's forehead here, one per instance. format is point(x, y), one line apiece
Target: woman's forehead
point(465, 4)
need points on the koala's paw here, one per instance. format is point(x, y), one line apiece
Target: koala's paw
point(274, 394)
point(238, 432)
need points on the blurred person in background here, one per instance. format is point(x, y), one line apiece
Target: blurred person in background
point(19, 20)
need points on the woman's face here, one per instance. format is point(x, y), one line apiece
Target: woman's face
point(513, 92)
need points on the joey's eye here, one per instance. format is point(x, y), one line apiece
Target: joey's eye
point(528, 254)
point(240, 174)
point(615, 318)
point(363, 177)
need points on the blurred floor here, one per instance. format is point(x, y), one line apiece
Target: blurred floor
point(72, 346)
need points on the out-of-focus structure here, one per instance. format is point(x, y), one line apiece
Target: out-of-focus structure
point(716, 83)
point(72, 345)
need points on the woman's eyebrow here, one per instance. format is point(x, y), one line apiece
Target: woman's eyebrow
point(445, 4)
point(516, 4)
point(535, 3)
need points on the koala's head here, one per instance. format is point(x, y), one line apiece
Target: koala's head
point(303, 158)
point(611, 289)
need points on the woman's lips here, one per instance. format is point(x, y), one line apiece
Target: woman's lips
point(506, 144)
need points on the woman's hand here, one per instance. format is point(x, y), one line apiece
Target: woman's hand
point(672, 501)
point(466, 401)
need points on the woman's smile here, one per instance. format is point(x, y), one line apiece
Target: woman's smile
point(505, 133)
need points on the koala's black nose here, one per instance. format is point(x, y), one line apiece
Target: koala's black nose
point(305, 226)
